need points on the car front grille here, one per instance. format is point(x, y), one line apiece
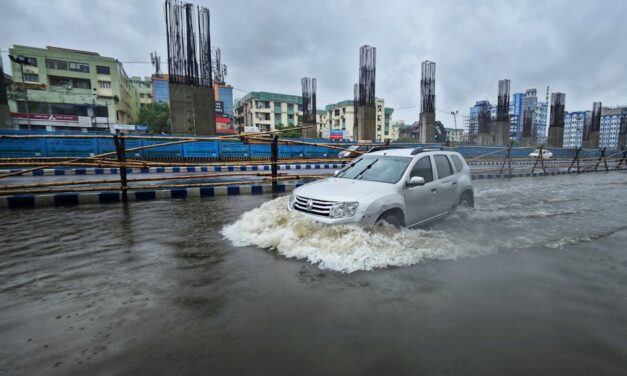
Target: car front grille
point(317, 207)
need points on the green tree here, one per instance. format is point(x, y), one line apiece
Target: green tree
point(291, 133)
point(156, 116)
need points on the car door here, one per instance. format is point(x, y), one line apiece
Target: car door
point(420, 200)
point(446, 183)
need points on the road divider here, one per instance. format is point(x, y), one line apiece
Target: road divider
point(112, 197)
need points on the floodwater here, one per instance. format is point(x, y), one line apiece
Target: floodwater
point(534, 281)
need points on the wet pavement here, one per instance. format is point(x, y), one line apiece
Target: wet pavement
point(534, 281)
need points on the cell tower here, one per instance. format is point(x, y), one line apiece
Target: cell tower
point(155, 60)
point(219, 69)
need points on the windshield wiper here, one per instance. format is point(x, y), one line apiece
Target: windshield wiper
point(365, 169)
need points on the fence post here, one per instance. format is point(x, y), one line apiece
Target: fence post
point(541, 159)
point(602, 158)
point(623, 159)
point(576, 159)
point(274, 150)
point(508, 159)
point(120, 151)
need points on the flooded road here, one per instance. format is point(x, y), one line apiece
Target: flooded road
point(534, 281)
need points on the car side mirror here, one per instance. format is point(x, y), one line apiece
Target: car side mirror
point(336, 173)
point(416, 181)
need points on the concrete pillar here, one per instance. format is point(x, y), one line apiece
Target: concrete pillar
point(556, 137)
point(500, 133)
point(192, 109)
point(427, 127)
point(366, 124)
point(310, 132)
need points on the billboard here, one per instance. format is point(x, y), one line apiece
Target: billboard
point(219, 107)
point(336, 134)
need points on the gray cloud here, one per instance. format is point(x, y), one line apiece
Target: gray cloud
point(574, 46)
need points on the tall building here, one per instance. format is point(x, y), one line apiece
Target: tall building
point(144, 88)
point(515, 119)
point(479, 119)
point(223, 94)
point(574, 125)
point(69, 90)
point(541, 121)
point(160, 89)
point(340, 119)
point(264, 111)
point(612, 121)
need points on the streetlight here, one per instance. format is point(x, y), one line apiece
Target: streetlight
point(21, 60)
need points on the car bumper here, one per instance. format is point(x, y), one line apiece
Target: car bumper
point(361, 218)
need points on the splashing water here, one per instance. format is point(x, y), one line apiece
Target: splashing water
point(508, 216)
point(343, 248)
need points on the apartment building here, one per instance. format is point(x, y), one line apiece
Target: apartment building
point(69, 90)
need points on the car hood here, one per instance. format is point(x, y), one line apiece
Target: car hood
point(339, 189)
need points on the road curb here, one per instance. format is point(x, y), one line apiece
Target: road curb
point(73, 198)
point(108, 197)
point(176, 169)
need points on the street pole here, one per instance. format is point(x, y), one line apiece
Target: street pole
point(454, 113)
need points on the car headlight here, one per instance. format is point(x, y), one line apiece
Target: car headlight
point(292, 201)
point(343, 209)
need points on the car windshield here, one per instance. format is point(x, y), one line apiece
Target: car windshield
point(376, 168)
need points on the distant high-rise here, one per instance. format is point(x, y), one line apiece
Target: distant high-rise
point(556, 125)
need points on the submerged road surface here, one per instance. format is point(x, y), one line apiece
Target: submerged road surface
point(534, 281)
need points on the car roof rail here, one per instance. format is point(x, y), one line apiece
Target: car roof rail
point(378, 148)
point(422, 150)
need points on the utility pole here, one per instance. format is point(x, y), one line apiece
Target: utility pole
point(21, 60)
point(454, 113)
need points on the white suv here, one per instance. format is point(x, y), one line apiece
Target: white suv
point(403, 187)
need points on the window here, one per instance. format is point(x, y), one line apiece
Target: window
point(30, 60)
point(56, 64)
point(60, 81)
point(104, 84)
point(457, 162)
point(102, 69)
point(423, 169)
point(79, 67)
point(74, 83)
point(443, 166)
point(31, 77)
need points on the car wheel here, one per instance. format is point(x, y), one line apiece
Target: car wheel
point(388, 219)
point(466, 201)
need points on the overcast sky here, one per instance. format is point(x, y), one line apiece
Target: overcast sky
point(577, 47)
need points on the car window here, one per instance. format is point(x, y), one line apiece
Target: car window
point(457, 161)
point(363, 148)
point(423, 168)
point(443, 166)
